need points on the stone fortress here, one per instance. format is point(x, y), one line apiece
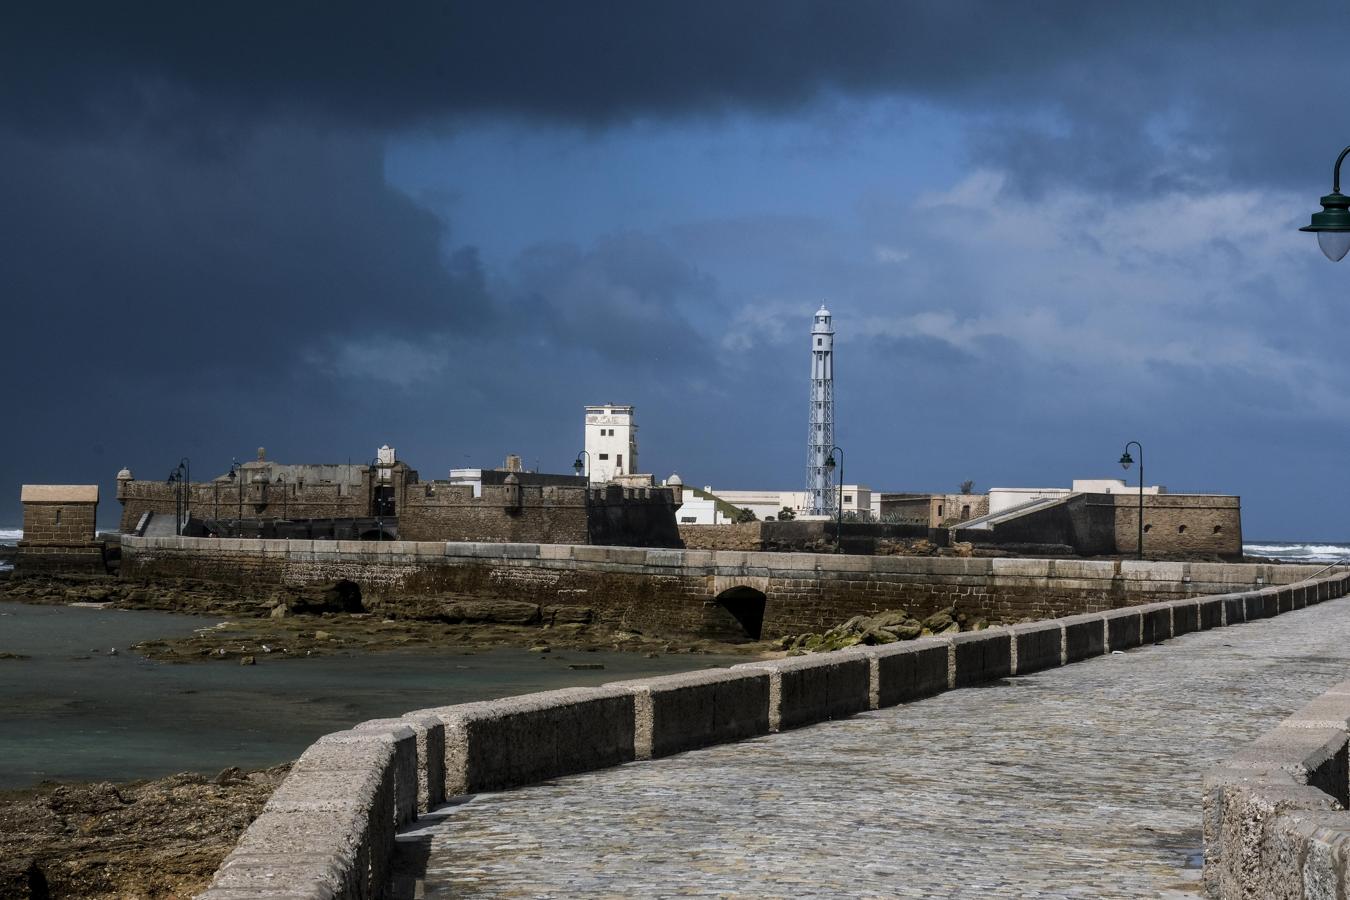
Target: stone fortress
point(387, 500)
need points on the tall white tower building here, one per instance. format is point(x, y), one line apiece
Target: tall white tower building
point(821, 499)
point(611, 441)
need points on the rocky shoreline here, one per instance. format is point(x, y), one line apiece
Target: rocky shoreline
point(326, 620)
point(155, 840)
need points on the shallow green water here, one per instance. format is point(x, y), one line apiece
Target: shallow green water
point(71, 714)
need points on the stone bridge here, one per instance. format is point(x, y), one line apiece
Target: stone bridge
point(1074, 772)
point(714, 593)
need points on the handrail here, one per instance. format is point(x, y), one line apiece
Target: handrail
point(1342, 561)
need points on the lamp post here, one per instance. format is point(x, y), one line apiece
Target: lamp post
point(839, 522)
point(582, 468)
point(1332, 224)
point(239, 493)
point(180, 479)
point(1125, 461)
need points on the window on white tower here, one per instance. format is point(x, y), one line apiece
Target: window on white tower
point(604, 456)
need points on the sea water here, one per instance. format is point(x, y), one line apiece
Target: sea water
point(1299, 551)
point(75, 711)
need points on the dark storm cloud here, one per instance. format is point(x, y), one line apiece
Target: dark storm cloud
point(220, 263)
point(1110, 88)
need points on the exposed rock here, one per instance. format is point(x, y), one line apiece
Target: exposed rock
point(567, 615)
point(247, 661)
point(506, 612)
point(338, 597)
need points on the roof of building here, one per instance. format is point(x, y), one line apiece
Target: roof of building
point(59, 493)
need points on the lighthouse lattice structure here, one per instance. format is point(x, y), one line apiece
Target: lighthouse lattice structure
point(821, 497)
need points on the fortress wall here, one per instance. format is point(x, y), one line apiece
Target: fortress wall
point(677, 590)
point(1274, 816)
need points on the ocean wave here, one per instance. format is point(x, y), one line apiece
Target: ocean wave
point(11, 535)
point(1303, 552)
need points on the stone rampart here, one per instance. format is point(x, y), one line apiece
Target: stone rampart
point(690, 591)
point(1274, 816)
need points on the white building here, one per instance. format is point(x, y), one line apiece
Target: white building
point(1001, 499)
point(703, 510)
point(611, 442)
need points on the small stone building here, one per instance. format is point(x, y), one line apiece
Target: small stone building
point(59, 530)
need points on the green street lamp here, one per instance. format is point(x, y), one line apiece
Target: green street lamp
point(1332, 224)
point(1125, 462)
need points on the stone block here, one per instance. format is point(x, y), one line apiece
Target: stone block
point(979, 656)
point(674, 713)
point(317, 875)
point(424, 755)
point(518, 551)
point(1036, 646)
point(1234, 607)
point(1155, 623)
point(533, 737)
point(1253, 606)
point(1084, 636)
point(664, 558)
point(1185, 617)
point(1300, 596)
point(1330, 710)
point(909, 670)
point(1312, 756)
point(401, 742)
point(1123, 627)
point(1025, 568)
point(814, 688)
point(1239, 810)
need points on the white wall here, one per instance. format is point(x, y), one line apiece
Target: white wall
point(611, 441)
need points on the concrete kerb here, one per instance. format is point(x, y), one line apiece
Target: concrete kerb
point(530, 738)
point(907, 670)
point(804, 690)
point(1155, 623)
point(1084, 636)
point(674, 713)
point(979, 656)
point(1123, 628)
point(1036, 646)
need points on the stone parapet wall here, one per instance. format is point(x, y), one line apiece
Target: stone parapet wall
point(1273, 816)
point(677, 590)
point(743, 536)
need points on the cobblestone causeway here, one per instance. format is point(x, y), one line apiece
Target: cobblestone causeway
point(1082, 781)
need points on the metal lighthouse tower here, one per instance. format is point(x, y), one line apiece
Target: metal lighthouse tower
point(821, 499)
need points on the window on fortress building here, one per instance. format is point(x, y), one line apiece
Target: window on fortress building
point(1218, 529)
point(1147, 528)
point(618, 461)
point(1181, 529)
point(604, 456)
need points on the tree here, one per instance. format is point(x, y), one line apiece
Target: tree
point(746, 515)
point(786, 515)
point(967, 486)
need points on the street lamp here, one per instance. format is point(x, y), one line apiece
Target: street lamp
point(1125, 461)
point(579, 467)
point(180, 479)
point(1332, 224)
point(839, 524)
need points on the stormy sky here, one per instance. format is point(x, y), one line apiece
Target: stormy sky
point(1044, 228)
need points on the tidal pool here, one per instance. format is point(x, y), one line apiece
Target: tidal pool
point(73, 711)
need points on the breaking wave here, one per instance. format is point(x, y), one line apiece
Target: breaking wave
point(10, 535)
point(1290, 551)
